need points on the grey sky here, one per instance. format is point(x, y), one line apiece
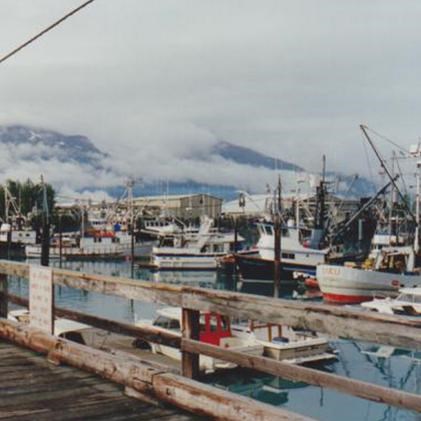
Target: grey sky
point(153, 81)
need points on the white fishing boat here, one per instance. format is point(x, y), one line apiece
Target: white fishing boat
point(298, 255)
point(297, 250)
point(214, 329)
point(351, 284)
point(106, 245)
point(195, 251)
point(408, 303)
point(17, 236)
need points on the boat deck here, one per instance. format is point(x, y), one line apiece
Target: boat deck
point(31, 388)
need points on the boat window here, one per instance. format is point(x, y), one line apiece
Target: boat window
point(74, 337)
point(164, 322)
point(225, 323)
point(288, 256)
point(285, 232)
point(174, 324)
point(268, 229)
point(213, 323)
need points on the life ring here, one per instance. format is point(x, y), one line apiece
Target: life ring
point(396, 283)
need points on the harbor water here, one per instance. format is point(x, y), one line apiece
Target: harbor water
point(402, 370)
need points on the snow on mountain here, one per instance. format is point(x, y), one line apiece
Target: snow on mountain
point(74, 162)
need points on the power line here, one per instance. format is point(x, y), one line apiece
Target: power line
point(49, 28)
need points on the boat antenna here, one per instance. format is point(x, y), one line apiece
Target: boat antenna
point(388, 173)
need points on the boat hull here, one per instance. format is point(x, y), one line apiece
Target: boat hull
point(255, 269)
point(184, 261)
point(75, 253)
point(346, 285)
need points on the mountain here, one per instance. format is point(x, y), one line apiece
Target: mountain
point(247, 156)
point(31, 143)
point(75, 162)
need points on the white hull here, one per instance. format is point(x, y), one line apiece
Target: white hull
point(353, 285)
point(185, 262)
point(33, 252)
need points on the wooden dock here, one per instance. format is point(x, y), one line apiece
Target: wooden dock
point(150, 382)
point(31, 388)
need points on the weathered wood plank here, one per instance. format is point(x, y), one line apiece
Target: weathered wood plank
point(307, 375)
point(205, 400)
point(170, 388)
point(335, 321)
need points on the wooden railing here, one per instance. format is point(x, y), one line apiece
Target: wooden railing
point(332, 320)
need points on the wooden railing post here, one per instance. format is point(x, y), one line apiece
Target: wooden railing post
point(190, 330)
point(3, 296)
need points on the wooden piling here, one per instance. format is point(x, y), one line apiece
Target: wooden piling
point(190, 330)
point(3, 296)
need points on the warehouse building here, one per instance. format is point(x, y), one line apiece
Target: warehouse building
point(181, 206)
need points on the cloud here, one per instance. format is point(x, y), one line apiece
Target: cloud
point(155, 83)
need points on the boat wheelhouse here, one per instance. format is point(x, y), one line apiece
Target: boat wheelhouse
point(195, 252)
point(215, 329)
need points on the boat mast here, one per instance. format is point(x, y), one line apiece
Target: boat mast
point(392, 226)
point(320, 205)
point(386, 170)
point(130, 184)
point(277, 239)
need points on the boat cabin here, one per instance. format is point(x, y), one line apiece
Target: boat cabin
point(213, 326)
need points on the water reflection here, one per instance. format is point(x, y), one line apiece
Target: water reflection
point(401, 369)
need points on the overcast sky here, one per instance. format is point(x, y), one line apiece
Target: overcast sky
point(154, 81)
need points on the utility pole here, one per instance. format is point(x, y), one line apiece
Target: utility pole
point(8, 220)
point(277, 239)
point(130, 185)
point(45, 239)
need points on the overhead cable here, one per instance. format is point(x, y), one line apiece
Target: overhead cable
point(44, 31)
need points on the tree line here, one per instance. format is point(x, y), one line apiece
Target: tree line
point(27, 197)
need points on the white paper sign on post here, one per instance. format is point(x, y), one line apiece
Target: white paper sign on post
point(41, 298)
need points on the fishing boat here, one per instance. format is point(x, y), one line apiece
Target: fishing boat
point(195, 251)
point(298, 255)
point(215, 329)
point(394, 268)
point(97, 246)
point(407, 303)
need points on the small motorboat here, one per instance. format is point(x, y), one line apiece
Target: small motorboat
point(285, 344)
point(215, 329)
point(407, 303)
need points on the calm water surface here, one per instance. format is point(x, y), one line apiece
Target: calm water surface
point(355, 360)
